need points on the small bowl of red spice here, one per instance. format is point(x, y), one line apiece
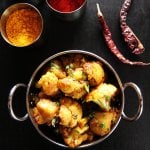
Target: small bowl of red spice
point(21, 24)
point(68, 10)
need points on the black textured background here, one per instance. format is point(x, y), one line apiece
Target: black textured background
point(18, 64)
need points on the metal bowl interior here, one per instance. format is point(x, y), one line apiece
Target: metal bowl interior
point(9, 11)
point(48, 132)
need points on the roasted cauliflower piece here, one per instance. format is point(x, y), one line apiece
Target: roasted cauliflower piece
point(101, 122)
point(73, 137)
point(47, 110)
point(48, 83)
point(95, 72)
point(57, 69)
point(70, 112)
point(102, 95)
point(72, 87)
point(77, 73)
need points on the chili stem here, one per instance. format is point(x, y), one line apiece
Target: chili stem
point(111, 44)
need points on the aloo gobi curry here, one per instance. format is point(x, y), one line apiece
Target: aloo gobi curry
point(75, 97)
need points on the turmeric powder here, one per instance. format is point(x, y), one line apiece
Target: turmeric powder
point(23, 27)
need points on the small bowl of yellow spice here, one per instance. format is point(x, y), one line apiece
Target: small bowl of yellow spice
point(21, 24)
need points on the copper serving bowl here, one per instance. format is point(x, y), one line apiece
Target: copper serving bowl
point(51, 136)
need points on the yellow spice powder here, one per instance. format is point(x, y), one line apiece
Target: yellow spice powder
point(23, 27)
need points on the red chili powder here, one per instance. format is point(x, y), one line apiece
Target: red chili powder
point(65, 5)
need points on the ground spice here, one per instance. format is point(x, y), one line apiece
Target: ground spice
point(66, 5)
point(23, 27)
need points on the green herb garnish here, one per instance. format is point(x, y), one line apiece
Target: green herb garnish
point(54, 121)
point(91, 115)
point(102, 125)
point(87, 88)
point(54, 65)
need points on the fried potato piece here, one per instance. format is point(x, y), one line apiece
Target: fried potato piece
point(37, 116)
point(101, 123)
point(72, 87)
point(94, 72)
point(70, 112)
point(47, 109)
point(102, 95)
point(57, 69)
point(48, 83)
point(73, 137)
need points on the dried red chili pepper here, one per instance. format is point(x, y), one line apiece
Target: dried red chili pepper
point(130, 38)
point(111, 44)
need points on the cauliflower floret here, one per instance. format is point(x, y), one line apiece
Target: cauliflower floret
point(102, 95)
point(57, 69)
point(77, 73)
point(47, 109)
point(101, 123)
point(70, 112)
point(72, 87)
point(48, 83)
point(95, 72)
point(73, 137)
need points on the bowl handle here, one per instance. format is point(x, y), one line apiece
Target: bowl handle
point(140, 101)
point(10, 100)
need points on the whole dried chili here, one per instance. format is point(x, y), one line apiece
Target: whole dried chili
point(111, 44)
point(66, 5)
point(130, 38)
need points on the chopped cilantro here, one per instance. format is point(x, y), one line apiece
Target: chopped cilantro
point(102, 125)
point(87, 88)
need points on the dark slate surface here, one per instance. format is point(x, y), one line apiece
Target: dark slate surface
point(18, 64)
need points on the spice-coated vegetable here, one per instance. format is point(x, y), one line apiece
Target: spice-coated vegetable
point(130, 38)
point(111, 44)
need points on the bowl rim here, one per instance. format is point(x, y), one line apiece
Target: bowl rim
point(4, 16)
